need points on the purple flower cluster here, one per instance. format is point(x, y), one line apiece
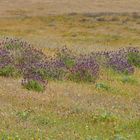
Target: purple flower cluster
point(78, 67)
point(55, 69)
point(118, 60)
point(26, 59)
point(5, 58)
point(85, 69)
point(34, 65)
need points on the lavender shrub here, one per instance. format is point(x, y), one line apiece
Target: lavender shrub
point(26, 60)
point(36, 68)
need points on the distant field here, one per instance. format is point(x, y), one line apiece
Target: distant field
point(44, 7)
point(81, 25)
point(82, 32)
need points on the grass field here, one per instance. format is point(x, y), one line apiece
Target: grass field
point(45, 7)
point(84, 112)
point(68, 110)
point(85, 32)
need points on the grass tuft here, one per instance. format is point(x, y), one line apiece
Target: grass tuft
point(34, 85)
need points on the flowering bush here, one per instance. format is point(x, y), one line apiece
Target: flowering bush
point(122, 60)
point(7, 67)
point(5, 58)
point(85, 69)
point(119, 62)
point(19, 57)
point(77, 68)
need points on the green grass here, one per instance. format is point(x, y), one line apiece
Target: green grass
point(34, 85)
point(103, 126)
point(105, 110)
point(9, 71)
point(129, 80)
point(68, 110)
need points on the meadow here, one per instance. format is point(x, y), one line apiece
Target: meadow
point(104, 105)
point(82, 32)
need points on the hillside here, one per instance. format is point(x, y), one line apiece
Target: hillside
point(91, 91)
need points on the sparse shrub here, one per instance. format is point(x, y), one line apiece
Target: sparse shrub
point(134, 58)
point(116, 60)
point(11, 44)
point(33, 69)
point(119, 137)
point(71, 67)
point(85, 69)
point(33, 77)
point(104, 117)
point(18, 57)
point(7, 136)
point(102, 86)
point(24, 115)
point(119, 62)
point(44, 121)
point(5, 58)
point(101, 58)
point(66, 57)
point(69, 63)
point(8, 71)
point(33, 85)
point(106, 87)
point(7, 67)
point(128, 79)
point(55, 69)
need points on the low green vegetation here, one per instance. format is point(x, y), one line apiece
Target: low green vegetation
point(9, 71)
point(102, 86)
point(37, 69)
point(23, 115)
point(129, 80)
point(87, 93)
point(134, 58)
point(34, 85)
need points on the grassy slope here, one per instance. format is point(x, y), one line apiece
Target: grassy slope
point(70, 111)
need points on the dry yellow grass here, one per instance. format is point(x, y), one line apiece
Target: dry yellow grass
point(44, 7)
point(68, 110)
point(83, 32)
